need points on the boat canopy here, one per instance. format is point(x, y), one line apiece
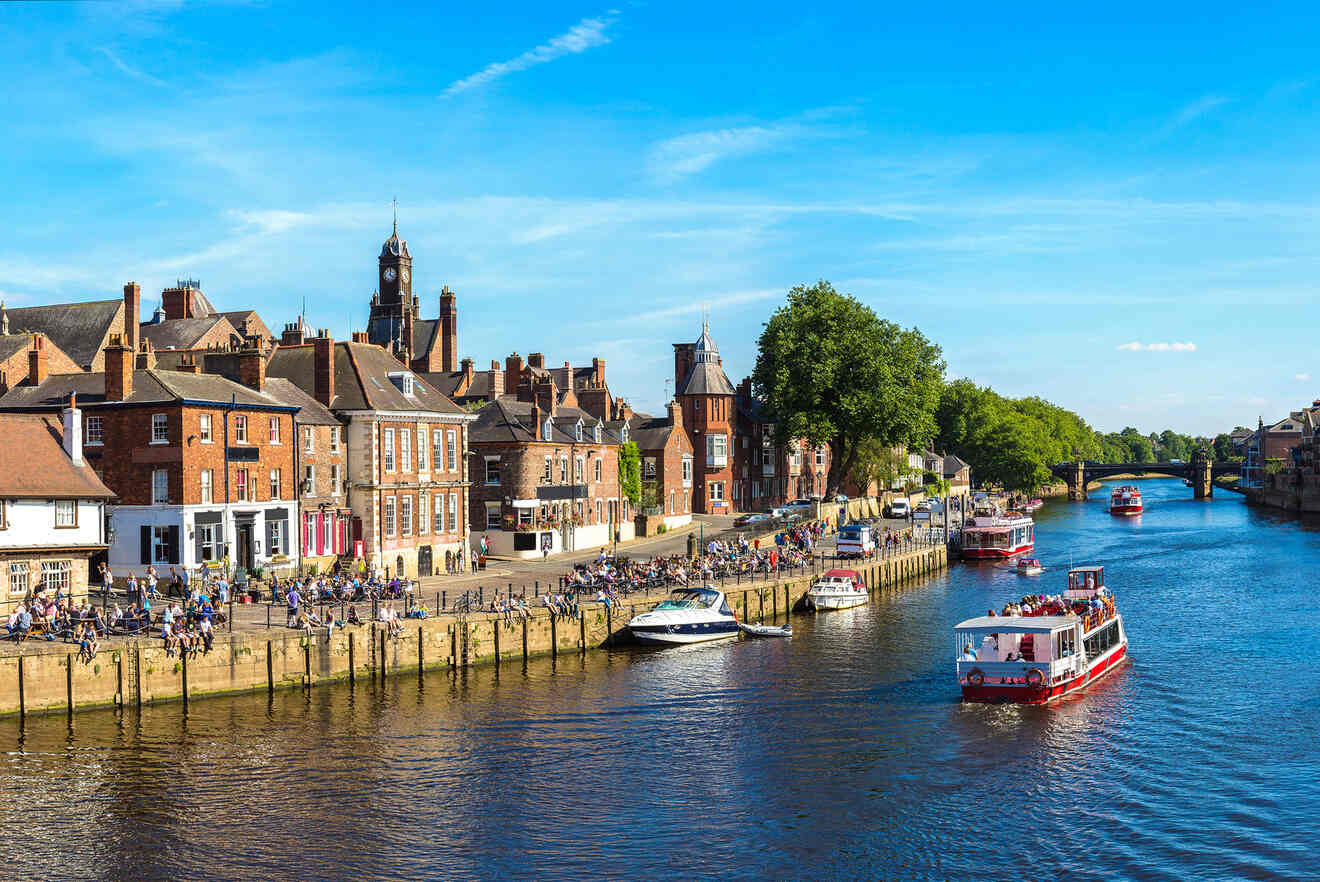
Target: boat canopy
point(1015, 624)
point(843, 574)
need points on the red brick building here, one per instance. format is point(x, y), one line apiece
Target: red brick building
point(29, 358)
point(770, 474)
point(668, 465)
point(707, 402)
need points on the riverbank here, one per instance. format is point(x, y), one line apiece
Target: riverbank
point(45, 677)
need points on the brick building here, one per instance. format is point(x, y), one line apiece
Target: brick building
point(1275, 441)
point(202, 466)
point(545, 476)
point(407, 484)
point(707, 402)
point(52, 507)
point(668, 465)
point(28, 358)
point(82, 330)
point(424, 345)
point(770, 474)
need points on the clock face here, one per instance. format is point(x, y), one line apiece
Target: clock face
point(389, 274)
point(404, 274)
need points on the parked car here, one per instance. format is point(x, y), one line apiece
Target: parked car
point(898, 508)
point(801, 502)
point(750, 519)
point(842, 498)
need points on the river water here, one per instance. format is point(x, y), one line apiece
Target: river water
point(844, 753)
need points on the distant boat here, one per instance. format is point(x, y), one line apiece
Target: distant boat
point(759, 630)
point(1029, 566)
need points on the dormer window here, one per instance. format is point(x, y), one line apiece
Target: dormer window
point(403, 380)
point(623, 433)
point(595, 433)
point(547, 430)
point(577, 431)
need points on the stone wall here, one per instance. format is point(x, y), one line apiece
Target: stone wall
point(41, 677)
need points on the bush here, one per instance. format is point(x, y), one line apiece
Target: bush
point(661, 529)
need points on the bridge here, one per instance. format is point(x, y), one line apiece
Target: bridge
point(1201, 471)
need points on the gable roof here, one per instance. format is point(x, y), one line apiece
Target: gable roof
point(310, 411)
point(149, 387)
point(76, 328)
point(183, 333)
point(953, 465)
point(362, 379)
point(44, 470)
point(506, 419)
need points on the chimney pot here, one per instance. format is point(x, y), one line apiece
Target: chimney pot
point(38, 360)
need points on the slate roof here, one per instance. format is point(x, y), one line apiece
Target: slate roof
point(13, 344)
point(505, 420)
point(650, 433)
point(447, 383)
point(153, 386)
point(706, 378)
point(362, 380)
point(953, 465)
point(43, 470)
point(183, 333)
point(76, 328)
point(425, 334)
point(310, 411)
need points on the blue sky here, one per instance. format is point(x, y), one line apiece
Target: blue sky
point(1112, 207)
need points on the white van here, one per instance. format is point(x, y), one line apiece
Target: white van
point(855, 540)
point(899, 508)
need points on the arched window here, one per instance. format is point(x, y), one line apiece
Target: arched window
point(547, 430)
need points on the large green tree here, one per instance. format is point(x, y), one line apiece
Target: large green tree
point(830, 370)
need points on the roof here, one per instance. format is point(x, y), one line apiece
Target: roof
point(425, 332)
point(1015, 624)
point(77, 328)
point(953, 465)
point(843, 574)
point(362, 379)
point(149, 387)
point(183, 333)
point(43, 470)
point(706, 378)
point(648, 432)
point(310, 411)
point(508, 420)
point(13, 344)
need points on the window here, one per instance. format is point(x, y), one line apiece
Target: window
point(716, 491)
point(405, 516)
point(240, 430)
point(687, 469)
point(94, 429)
point(66, 513)
point(55, 576)
point(335, 483)
point(389, 516)
point(549, 474)
point(309, 440)
point(274, 430)
point(160, 487)
point(437, 447)
point(492, 515)
point(600, 518)
point(598, 469)
point(423, 522)
point(563, 469)
point(439, 513)
point(717, 451)
point(204, 481)
point(547, 429)
point(241, 485)
point(334, 439)
point(421, 450)
point(492, 471)
point(648, 469)
point(577, 431)
point(275, 484)
point(160, 429)
point(451, 450)
point(204, 428)
point(276, 543)
point(309, 532)
point(595, 433)
point(387, 451)
point(20, 577)
point(820, 456)
point(309, 481)
point(405, 451)
point(160, 544)
point(577, 470)
point(524, 517)
point(672, 497)
point(453, 512)
point(623, 433)
point(206, 544)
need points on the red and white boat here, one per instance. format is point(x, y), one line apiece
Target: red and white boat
point(1125, 500)
point(993, 536)
point(1054, 648)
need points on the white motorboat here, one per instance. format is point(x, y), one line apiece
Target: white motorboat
point(1029, 566)
point(690, 615)
point(837, 589)
point(759, 630)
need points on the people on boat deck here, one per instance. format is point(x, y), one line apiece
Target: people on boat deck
point(989, 649)
point(968, 654)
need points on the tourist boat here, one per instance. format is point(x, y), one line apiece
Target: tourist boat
point(690, 615)
point(1125, 500)
point(759, 630)
point(1032, 659)
point(837, 589)
point(994, 536)
point(1029, 566)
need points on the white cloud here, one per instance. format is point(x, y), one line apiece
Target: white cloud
point(736, 298)
point(1190, 112)
point(125, 68)
point(691, 153)
point(1302, 377)
point(1136, 346)
point(586, 34)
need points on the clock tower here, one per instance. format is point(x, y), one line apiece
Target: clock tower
point(393, 308)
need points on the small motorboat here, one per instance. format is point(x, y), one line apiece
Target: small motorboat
point(759, 630)
point(1029, 566)
point(1035, 504)
point(690, 615)
point(837, 589)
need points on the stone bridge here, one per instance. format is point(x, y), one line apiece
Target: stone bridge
point(1201, 471)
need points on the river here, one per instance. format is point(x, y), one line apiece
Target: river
point(844, 753)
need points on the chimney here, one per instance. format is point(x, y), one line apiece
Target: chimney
point(293, 334)
point(448, 330)
point(407, 354)
point(146, 356)
point(467, 371)
point(745, 389)
point(4, 382)
point(675, 415)
point(37, 361)
point(359, 337)
point(323, 359)
point(536, 423)
point(118, 369)
point(598, 370)
point(132, 314)
point(512, 373)
point(252, 365)
point(188, 364)
point(536, 360)
point(73, 430)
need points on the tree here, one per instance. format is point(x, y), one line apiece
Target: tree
point(879, 464)
point(830, 370)
point(1222, 447)
point(630, 472)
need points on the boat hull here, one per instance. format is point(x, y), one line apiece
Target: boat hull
point(826, 602)
point(1125, 510)
point(674, 634)
point(995, 553)
point(1008, 693)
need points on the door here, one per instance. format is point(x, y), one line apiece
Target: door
point(245, 546)
point(424, 561)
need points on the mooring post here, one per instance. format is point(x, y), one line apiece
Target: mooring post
point(352, 662)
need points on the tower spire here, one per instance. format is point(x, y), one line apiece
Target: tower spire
point(396, 215)
point(4, 319)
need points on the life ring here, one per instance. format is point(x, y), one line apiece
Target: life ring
point(1035, 679)
point(975, 678)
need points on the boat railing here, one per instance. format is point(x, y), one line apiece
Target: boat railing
point(1014, 673)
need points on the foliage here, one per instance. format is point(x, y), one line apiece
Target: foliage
point(880, 464)
point(630, 472)
point(1273, 466)
point(831, 371)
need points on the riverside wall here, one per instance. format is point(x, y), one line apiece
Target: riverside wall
point(46, 677)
